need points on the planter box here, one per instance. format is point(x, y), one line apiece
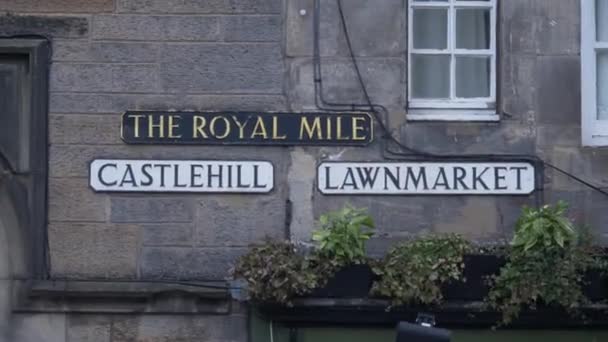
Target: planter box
point(595, 286)
point(478, 267)
point(352, 281)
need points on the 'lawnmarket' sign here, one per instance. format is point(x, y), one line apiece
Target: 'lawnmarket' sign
point(426, 178)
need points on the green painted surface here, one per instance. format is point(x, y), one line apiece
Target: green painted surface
point(260, 332)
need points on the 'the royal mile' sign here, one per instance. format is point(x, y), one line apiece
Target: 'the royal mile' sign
point(247, 128)
point(125, 175)
point(426, 178)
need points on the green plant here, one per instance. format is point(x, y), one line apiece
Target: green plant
point(342, 235)
point(546, 226)
point(276, 272)
point(415, 271)
point(545, 265)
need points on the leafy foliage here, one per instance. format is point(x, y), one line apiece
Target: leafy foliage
point(547, 226)
point(546, 265)
point(342, 235)
point(415, 271)
point(276, 272)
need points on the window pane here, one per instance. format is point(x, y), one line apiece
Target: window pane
point(430, 28)
point(472, 77)
point(430, 76)
point(601, 10)
point(602, 85)
point(473, 29)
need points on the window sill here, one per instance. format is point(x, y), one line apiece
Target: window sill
point(452, 115)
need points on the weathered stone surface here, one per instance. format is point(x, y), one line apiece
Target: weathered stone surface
point(569, 159)
point(301, 180)
point(168, 234)
point(548, 135)
point(223, 68)
point(55, 26)
point(151, 209)
point(94, 250)
point(383, 78)
point(28, 327)
point(541, 27)
point(118, 103)
point(179, 328)
point(236, 220)
point(159, 28)
point(104, 77)
point(88, 328)
point(252, 28)
point(57, 6)
point(122, 52)
point(473, 138)
point(476, 219)
point(195, 6)
point(376, 29)
point(559, 96)
point(518, 87)
point(188, 263)
point(84, 129)
point(71, 199)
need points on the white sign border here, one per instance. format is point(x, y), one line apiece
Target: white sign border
point(170, 192)
point(410, 194)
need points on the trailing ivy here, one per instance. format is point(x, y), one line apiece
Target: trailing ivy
point(545, 267)
point(415, 271)
point(276, 272)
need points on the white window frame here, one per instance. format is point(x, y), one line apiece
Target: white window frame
point(453, 109)
point(594, 131)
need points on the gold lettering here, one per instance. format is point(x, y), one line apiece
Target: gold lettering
point(339, 129)
point(198, 125)
point(275, 129)
point(136, 121)
point(241, 126)
point(160, 126)
point(328, 128)
point(316, 127)
point(262, 129)
point(358, 128)
point(212, 127)
point(172, 126)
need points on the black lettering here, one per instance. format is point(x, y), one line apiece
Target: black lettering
point(131, 179)
point(144, 170)
point(441, 179)
point(351, 183)
point(519, 169)
point(255, 178)
point(218, 175)
point(498, 178)
point(162, 172)
point(394, 178)
point(459, 174)
point(239, 178)
point(477, 178)
point(327, 180)
point(416, 180)
point(176, 177)
point(229, 167)
point(194, 175)
point(101, 178)
point(366, 177)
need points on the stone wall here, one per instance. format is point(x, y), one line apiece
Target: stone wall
point(115, 55)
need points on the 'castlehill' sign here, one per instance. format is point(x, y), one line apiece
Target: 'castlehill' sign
point(200, 176)
point(426, 178)
point(247, 128)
